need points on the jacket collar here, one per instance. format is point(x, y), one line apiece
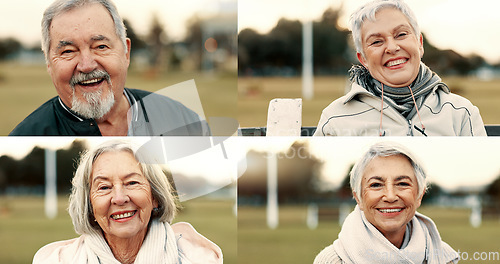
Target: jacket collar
point(358, 90)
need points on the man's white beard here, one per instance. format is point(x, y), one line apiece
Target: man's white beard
point(92, 107)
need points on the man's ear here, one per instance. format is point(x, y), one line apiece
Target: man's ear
point(129, 47)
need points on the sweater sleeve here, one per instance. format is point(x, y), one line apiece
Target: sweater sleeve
point(328, 256)
point(320, 129)
point(477, 123)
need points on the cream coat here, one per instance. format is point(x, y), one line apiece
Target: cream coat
point(358, 114)
point(187, 246)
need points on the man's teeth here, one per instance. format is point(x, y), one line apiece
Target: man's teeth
point(396, 62)
point(91, 81)
point(124, 215)
point(390, 210)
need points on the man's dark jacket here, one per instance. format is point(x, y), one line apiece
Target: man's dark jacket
point(157, 115)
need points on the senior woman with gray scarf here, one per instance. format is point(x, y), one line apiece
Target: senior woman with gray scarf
point(388, 185)
point(393, 93)
point(122, 206)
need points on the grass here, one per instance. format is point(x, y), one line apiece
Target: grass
point(255, 94)
point(24, 228)
point(293, 242)
point(23, 88)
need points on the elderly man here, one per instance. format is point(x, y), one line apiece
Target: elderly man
point(87, 55)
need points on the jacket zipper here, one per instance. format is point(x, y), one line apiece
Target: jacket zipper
point(410, 131)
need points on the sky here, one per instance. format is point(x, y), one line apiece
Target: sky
point(468, 27)
point(462, 25)
point(23, 16)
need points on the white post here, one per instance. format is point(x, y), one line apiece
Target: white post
point(312, 216)
point(344, 211)
point(307, 59)
point(50, 184)
point(475, 218)
point(272, 190)
point(284, 117)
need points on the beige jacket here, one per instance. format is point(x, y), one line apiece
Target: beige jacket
point(358, 114)
point(329, 256)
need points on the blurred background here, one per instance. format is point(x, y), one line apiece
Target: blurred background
point(27, 221)
point(313, 194)
point(458, 43)
point(171, 42)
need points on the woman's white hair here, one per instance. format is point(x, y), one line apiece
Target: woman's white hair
point(61, 6)
point(386, 149)
point(369, 10)
point(80, 207)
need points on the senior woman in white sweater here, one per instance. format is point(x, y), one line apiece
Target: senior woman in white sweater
point(122, 206)
point(393, 93)
point(388, 185)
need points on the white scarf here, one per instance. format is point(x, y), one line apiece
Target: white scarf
point(360, 242)
point(159, 246)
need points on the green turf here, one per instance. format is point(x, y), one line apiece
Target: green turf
point(24, 227)
point(293, 242)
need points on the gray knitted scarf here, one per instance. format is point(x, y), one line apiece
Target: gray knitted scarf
point(400, 98)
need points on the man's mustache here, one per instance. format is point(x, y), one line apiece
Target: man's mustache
point(82, 77)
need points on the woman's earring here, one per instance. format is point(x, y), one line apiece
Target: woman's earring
point(156, 211)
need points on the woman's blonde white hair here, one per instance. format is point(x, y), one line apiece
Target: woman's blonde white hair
point(386, 149)
point(370, 9)
point(80, 207)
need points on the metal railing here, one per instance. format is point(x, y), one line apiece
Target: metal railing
point(491, 130)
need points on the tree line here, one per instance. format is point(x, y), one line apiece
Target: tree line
point(300, 182)
point(279, 52)
point(155, 47)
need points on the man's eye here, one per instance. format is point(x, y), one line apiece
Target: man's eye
point(102, 46)
point(103, 188)
point(67, 52)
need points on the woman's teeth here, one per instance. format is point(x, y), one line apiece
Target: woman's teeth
point(395, 62)
point(124, 215)
point(390, 210)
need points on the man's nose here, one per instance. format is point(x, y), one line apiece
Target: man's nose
point(86, 62)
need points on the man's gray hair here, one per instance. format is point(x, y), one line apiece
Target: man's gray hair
point(61, 6)
point(80, 207)
point(386, 149)
point(370, 9)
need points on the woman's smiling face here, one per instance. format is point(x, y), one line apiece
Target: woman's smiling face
point(121, 196)
point(392, 51)
point(389, 194)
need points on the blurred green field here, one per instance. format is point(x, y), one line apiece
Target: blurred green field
point(255, 94)
point(23, 88)
point(292, 242)
point(24, 228)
